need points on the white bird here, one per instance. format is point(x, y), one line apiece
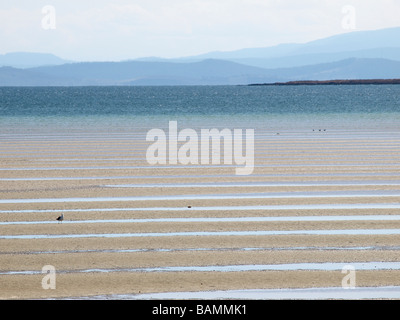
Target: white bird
point(61, 218)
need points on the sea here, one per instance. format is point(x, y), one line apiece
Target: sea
point(264, 108)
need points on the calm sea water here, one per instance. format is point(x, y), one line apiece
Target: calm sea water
point(123, 109)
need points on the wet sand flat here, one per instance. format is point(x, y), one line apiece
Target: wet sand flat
point(84, 178)
point(91, 284)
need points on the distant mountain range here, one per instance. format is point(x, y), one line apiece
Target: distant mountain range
point(29, 60)
point(206, 72)
point(354, 55)
point(383, 44)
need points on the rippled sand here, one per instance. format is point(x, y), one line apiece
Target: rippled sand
point(87, 179)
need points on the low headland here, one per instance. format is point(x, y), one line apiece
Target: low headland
point(331, 82)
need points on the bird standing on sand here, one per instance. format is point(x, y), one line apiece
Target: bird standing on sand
point(61, 218)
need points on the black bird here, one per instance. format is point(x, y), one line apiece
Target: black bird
point(61, 218)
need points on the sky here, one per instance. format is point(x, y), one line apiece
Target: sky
point(105, 30)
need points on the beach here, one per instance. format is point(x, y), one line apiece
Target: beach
point(207, 153)
point(316, 203)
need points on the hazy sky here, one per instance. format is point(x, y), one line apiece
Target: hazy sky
point(121, 29)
